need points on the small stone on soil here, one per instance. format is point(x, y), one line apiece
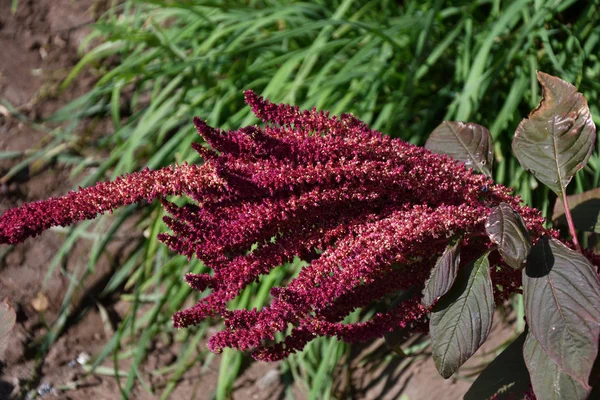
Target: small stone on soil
point(46, 388)
point(83, 358)
point(269, 379)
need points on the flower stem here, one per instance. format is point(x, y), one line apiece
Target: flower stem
point(570, 220)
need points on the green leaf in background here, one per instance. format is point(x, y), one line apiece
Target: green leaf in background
point(585, 211)
point(461, 321)
point(7, 322)
point(506, 377)
point(558, 138)
point(562, 304)
point(442, 275)
point(466, 142)
point(506, 228)
point(548, 380)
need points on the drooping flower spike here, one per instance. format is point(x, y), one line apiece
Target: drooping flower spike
point(369, 214)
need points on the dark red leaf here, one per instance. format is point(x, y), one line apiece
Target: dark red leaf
point(466, 142)
point(562, 304)
point(506, 228)
point(558, 138)
point(506, 377)
point(461, 320)
point(442, 275)
point(548, 380)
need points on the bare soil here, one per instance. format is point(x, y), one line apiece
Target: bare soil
point(39, 44)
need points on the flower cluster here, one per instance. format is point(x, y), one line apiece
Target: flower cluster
point(369, 214)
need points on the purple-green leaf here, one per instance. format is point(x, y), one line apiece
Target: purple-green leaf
point(548, 380)
point(506, 228)
point(558, 138)
point(7, 322)
point(465, 142)
point(442, 275)
point(461, 320)
point(506, 377)
point(562, 304)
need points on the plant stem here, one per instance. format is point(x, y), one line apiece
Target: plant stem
point(570, 220)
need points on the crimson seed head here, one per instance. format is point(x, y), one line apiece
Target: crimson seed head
point(369, 214)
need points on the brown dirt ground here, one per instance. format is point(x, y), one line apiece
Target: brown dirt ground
point(38, 46)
